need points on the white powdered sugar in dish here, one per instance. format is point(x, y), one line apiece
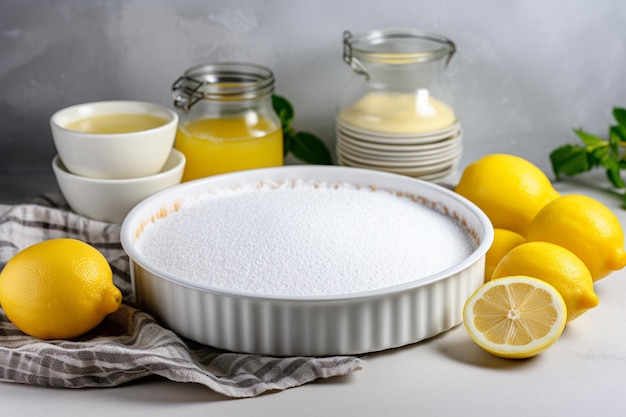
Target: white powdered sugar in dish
point(304, 238)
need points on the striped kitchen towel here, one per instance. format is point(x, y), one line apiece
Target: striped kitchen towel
point(129, 344)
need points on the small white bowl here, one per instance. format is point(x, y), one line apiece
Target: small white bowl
point(111, 200)
point(118, 155)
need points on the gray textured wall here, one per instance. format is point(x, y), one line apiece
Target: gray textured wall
point(526, 72)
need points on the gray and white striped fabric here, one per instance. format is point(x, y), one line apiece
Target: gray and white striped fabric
point(129, 344)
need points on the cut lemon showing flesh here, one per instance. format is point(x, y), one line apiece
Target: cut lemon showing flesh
point(515, 317)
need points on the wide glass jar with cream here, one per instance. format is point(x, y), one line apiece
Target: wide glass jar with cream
point(399, 86)
point(227, 122)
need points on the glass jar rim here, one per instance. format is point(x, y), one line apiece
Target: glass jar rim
point(223, 81)
point(398, 46)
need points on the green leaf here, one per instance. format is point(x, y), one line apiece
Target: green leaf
point(596, 152)
point(611, 159)
point(613, 173)
point(614, 143)
point(615, 136)
point(310, 149)
point(288, 139)
point(304, 146)
point(588, 139)
point(569, 160)
point(283, 109)
point(598, 157)
point(620, 116)
point(619, 132)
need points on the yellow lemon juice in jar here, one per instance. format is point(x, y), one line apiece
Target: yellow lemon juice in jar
point(216, 146)
point(227, 121)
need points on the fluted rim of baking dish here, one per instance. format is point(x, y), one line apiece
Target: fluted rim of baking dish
point(132, 222)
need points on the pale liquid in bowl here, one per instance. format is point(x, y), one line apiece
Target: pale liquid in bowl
point(116, 123)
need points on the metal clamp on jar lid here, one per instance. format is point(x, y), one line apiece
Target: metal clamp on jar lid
point(394, 46)
point(227, 81)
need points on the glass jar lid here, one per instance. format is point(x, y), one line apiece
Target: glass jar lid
point(229, 81)
point(395, 46)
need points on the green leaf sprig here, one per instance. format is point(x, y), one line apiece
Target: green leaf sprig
point(595, 152)
point(303, 145)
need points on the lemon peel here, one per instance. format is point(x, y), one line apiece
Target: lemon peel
point(503, 241)
point(587, 228)
point(558, 267)
point(509, 189)
point(58, 289)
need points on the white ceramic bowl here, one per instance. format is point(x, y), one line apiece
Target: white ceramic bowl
point(111, 200)
point(113, 156)
point(353, 323)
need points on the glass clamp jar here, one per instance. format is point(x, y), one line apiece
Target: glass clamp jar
point(397, 113)
point(226, 119)
point(399, 88)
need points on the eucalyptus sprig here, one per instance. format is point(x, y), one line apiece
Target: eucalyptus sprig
point(303, 145)
point(595, 152)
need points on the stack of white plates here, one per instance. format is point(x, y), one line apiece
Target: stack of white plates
point(430, 156)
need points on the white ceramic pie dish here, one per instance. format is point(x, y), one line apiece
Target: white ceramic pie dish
point(316, 325)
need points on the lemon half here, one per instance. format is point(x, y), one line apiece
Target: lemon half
point(515, 317)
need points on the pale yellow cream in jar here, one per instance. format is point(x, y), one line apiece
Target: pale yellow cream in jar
point(398, 113)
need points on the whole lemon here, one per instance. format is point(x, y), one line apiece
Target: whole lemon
point(509, 189)
point(503, 241)
point(586, 227)
point(58, 289)
point(558, 267)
